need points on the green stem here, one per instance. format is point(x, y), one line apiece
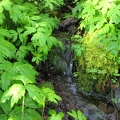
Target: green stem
point(23, 107)
point(43, 109)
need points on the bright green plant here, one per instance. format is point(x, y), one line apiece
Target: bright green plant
point(77, 115)
point(100, 60)
point(25, 36)
point(20, 89)
point(55, 116)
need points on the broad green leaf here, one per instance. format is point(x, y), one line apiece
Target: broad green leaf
point(6, 4)
point(36, 94)
point(16, 13)
point(23, 51)
point(15, 92)
point(7, 49)
point(18, 1)
point(5, 32)
point(7, 75)
point(2, 17)
point(29, 30)
point(30, 103)
point(51, 95)
point(6, 107)
point(29, 114)
point(5, 80)
point(3, 117)
point(26, 73)
point(114, 14)
point(55, 116)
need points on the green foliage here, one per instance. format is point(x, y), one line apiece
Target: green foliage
point(77, 115)
point(25, 37)
point(99, 61)
point(55, 116)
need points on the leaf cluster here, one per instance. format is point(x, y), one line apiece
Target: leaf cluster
point(25, 37)
point(100, 19)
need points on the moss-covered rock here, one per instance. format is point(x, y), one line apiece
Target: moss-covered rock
point(96, 65)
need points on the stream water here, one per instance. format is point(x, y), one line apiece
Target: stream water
point(66, 87)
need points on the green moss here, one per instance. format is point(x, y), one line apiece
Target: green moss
point(96, 65)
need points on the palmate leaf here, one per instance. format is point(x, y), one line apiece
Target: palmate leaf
point(51, 95)
point(15, 92)
point(55, 116)
point(36, 94)
point(29, 114)
point(16, 13)
point(39, 39)
point(26, 73)
point(114, 14)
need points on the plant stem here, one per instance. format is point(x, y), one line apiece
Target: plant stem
point(23, 103)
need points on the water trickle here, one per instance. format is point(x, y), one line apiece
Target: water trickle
point(68, 90)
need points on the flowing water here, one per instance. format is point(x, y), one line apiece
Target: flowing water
point(66, 87)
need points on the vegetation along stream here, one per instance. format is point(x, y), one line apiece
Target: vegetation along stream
point(59, 59)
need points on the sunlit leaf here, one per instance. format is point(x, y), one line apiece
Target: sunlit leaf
point(15, 92)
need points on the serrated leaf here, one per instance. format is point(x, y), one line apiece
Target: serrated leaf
point(5, 32)
point(55, 116)
point(6, 4)
point(16, 14)
point(5, 80)
point(114, 14)
point(2, 17)
point(14, 34)
point(29, 114)
point(36, 94)
point(51, 95)
point(23, 51)
point(6, 107)
point(29, 30)
point(30, 103)
point(26, 72)
point(15, 92)
point(7, 49)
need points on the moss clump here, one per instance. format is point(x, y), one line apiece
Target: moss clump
point(96, 64)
